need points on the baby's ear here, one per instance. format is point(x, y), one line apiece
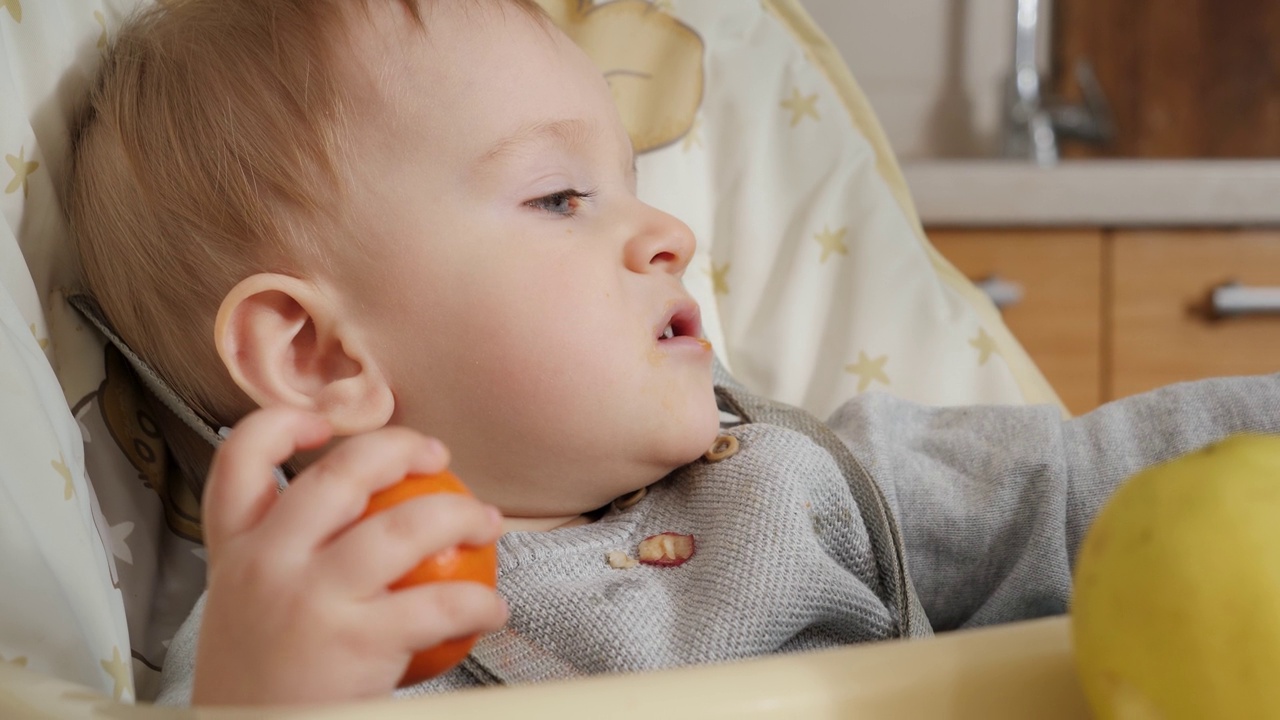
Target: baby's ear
point(285, 344)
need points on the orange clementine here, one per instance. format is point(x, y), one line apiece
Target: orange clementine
point(477, 564)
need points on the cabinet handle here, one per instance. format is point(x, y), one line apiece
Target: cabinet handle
point(1003, 293)
point(1231, 299)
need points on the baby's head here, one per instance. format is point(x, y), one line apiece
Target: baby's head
point(396, 213)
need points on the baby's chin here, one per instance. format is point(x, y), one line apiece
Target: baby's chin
point(703, 431)
point(643, 477)
point(600, 487)
point(693, 442)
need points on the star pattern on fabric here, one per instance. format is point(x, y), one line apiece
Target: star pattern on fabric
point(60, 466)
point(868, 370)
point(693, 138)
point(801, 106)
point(20, 661)
point(118, 669)
point(719, 278)
point(22, 169)
point(119, 547)
point(14, 7)
point(102, 20)
point(985, 345)
point(44, 342)
point(831, 242)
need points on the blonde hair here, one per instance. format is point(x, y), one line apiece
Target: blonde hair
point(208, 151)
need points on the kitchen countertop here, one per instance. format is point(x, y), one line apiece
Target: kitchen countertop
point(1131, 193)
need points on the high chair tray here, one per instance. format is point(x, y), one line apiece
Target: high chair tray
point(1021, 670)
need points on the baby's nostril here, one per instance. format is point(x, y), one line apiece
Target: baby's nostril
point(663, 258)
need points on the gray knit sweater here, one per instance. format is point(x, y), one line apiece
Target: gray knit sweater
point(991, 504)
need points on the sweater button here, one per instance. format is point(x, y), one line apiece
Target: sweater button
point(630, 499)
point(725, 446)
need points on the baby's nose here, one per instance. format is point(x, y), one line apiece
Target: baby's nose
point(661, 242)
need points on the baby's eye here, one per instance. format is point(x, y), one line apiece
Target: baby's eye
point(565, 202)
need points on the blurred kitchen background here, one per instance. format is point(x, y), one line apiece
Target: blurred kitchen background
point(1182, 78)
point(1108, 170)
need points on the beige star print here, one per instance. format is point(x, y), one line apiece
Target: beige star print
point(60, 466)
point(801, 106)
point(985, 345)
point(832, 242)
point(719, 278)
point(22, 169)
point(868, 370)
point(14, 7)
point(121, 677)
point(44, 342)
point(102, 21)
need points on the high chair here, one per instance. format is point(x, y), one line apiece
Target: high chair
point(816, 283)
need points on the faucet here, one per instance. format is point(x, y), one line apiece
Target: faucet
point(1033, 121)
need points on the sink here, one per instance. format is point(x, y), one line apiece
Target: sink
point(937, 73)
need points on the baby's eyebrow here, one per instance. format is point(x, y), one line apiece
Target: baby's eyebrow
point(571, 133)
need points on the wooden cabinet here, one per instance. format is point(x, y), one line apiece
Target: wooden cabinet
point(1106, 314)
point(1058, 318)
point(1163, 327)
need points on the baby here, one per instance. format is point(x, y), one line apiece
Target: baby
point(414, 225)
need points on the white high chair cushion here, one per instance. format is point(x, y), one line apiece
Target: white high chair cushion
point(815, 280)
point(60, 610)
point(94, 581)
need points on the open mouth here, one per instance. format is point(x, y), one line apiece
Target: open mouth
point(683, 320)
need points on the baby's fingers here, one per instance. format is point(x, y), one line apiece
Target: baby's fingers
point(379, 550)
point(333, 491)
point(241, 487)
point(424, 616)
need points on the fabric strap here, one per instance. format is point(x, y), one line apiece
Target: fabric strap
point(88, 306)
point(894, 589)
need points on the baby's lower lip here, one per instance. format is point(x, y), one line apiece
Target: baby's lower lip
point(686, 341)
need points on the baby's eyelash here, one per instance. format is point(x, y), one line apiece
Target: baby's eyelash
point(564, 202)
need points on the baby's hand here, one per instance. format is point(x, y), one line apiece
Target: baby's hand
point(298, 608)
